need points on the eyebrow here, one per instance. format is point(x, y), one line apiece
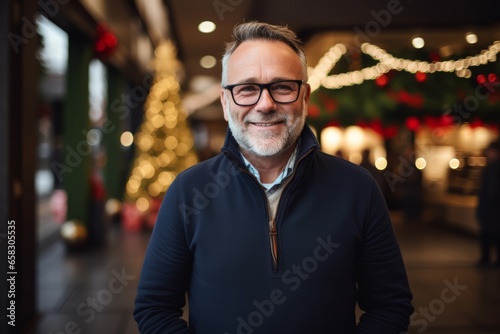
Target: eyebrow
point(254, 80)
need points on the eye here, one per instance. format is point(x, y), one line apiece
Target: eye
point(246, 89)
point(284, 87)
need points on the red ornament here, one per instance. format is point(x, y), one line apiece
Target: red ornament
point(106, 41)
point(412, 123)
point(420, 76)
point(413, 100)
point(492, 77)
point(382, 80)
point(481, 79)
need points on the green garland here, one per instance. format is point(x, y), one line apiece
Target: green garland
point(420, 96)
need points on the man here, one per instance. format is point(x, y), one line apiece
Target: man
point(272, 235)
point(488, 209)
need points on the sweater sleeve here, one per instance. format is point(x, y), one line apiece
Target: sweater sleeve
point(383, 290)
point(165, 273)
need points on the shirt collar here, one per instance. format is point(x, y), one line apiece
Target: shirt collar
point(287, 171)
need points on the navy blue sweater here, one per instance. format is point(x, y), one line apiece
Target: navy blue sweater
point(335, 242)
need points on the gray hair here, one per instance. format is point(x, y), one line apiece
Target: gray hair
point(258, 30)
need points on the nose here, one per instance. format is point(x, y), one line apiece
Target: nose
point(266, 102)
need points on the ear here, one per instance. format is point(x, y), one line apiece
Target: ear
point(307, 96)
point(307, 93)
point(223, 99)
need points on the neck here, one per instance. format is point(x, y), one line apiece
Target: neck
point(269, 167)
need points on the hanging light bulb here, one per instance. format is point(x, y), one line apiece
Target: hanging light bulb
point(206, 27)
point(418, 42)
point(471, 38)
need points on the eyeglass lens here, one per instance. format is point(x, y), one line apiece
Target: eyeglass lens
point(281, 92)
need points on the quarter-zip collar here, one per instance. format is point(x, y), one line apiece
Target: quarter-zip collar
point(308, 142)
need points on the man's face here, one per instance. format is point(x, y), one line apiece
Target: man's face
point(267, 127)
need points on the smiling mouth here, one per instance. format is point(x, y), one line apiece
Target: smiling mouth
point(265, 124)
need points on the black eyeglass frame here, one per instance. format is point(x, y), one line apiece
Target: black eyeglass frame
point(261, 89)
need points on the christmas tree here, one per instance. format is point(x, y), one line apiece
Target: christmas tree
point(164, 143)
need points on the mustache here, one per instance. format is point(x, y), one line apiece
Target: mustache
point(270, 117)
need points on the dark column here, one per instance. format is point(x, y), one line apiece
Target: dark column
point(75, 172)
point(18, 142)
point(116, 113)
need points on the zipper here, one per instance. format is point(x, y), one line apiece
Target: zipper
point(273, 238)
point(273, 230)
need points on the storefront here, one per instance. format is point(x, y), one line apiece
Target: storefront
point(424, 116)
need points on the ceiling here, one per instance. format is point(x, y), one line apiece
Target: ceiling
point(321, 23)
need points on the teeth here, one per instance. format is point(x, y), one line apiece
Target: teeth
point(265, 124)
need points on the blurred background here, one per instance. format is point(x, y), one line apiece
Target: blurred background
point(104, 102)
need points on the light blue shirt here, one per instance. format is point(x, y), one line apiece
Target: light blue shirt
point(287, 171)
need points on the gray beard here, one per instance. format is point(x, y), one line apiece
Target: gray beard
point(268, 143)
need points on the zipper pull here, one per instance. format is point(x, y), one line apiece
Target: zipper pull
point(273, 233)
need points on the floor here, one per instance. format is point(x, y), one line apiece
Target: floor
point(94, 291)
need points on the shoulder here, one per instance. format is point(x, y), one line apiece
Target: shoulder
point(216, 167)
point(333, 165)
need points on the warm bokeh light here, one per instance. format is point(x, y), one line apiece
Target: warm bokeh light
point(331, 139)
point(418, 42)
point(113, 206)
point(420, 163)
point(142, 204)
point(454, 163)
point(208, 61)
point(381, 163)
point(171, 142)
point(146, 141)
point(471, 38)
point(127, 139)
point(354, 138)
point(206, 27)
point(161, 51)
point(377, 152)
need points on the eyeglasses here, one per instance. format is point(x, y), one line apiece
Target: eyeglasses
point(282, 91)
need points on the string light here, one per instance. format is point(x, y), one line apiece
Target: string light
point(318, 76)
